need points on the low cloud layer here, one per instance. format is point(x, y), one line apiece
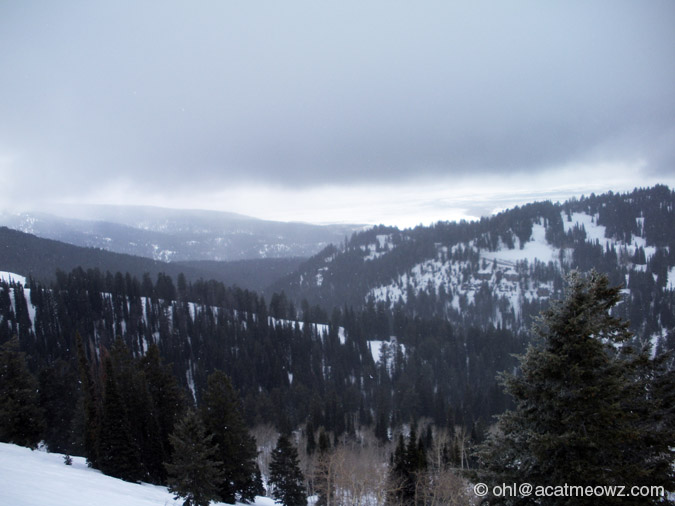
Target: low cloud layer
point(189, 98)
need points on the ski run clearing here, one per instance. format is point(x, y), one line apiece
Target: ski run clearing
point(37, 478)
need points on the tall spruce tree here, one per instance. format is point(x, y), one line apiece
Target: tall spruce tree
point(194, 472)
point(590, 409)
point(21, 418)
point(221, 412)
point(58, 398)
point(118, 452)
point(286, 479)
point(89, 405)
point(167, 402)
point(408, 464)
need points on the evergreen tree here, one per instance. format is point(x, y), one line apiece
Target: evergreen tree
point(21, 418)
point(88, 404)
point(408, 464)
point(311, 440)
point(194, 473)
point(381, 427)
point(167, 400)
point(590, 410)
point(118, 453)
point(285, 475)
point(399, 473)
point(221, 412)
point(58, 398)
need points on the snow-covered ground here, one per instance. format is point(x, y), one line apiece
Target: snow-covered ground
point(8, 277)
point(537, 248)
point(671, 279)
point(36, 478)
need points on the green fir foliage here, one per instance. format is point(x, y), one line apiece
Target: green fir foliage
point(21, 418)
point(194, 472)
point(590, 409)
point(286, 479)
point(221, 412)
point(118, 451)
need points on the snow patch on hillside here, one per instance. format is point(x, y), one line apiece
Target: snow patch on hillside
point(671, 279)
point(594, 232)
point(386, 351)
point(537, 248)
point(382, 246)
point(9, 277)
point(36, 478)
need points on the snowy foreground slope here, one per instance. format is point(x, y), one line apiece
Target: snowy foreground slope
point(35, 478)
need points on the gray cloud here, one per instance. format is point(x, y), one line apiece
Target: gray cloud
point(299, 93)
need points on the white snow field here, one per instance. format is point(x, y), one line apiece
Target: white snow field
point(8, 277)
point(37, 478)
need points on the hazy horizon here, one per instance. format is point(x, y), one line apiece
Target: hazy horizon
point(350, 113)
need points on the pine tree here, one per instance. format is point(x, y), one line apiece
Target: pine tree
point(118, 453)
point(21, 418)
point(408, 464)
point(399, 473)
point(89, 405)
point(59, 398)
point(311, 440)
point(590, 410)
point(194, 473)
point(285, 475)
point(167, 400)
point(221, 412)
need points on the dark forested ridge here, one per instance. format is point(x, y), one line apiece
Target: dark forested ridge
point(253, 274)
point(289, 364)
point(40, 258)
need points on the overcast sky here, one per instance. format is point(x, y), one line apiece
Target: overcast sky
point(367, 111)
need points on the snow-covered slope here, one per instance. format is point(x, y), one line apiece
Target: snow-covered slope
point(512, 276)
point(36, 478)
point(11, 277)
point(502, 271)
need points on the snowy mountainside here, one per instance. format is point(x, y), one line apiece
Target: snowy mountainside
point(507, 273)
point(37, 478)
point(503, 270)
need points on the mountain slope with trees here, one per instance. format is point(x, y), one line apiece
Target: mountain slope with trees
point(29, 255)
point(502, 271)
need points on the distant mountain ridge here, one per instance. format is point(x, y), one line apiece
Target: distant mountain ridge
point(174, 235)
point(29, 255)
